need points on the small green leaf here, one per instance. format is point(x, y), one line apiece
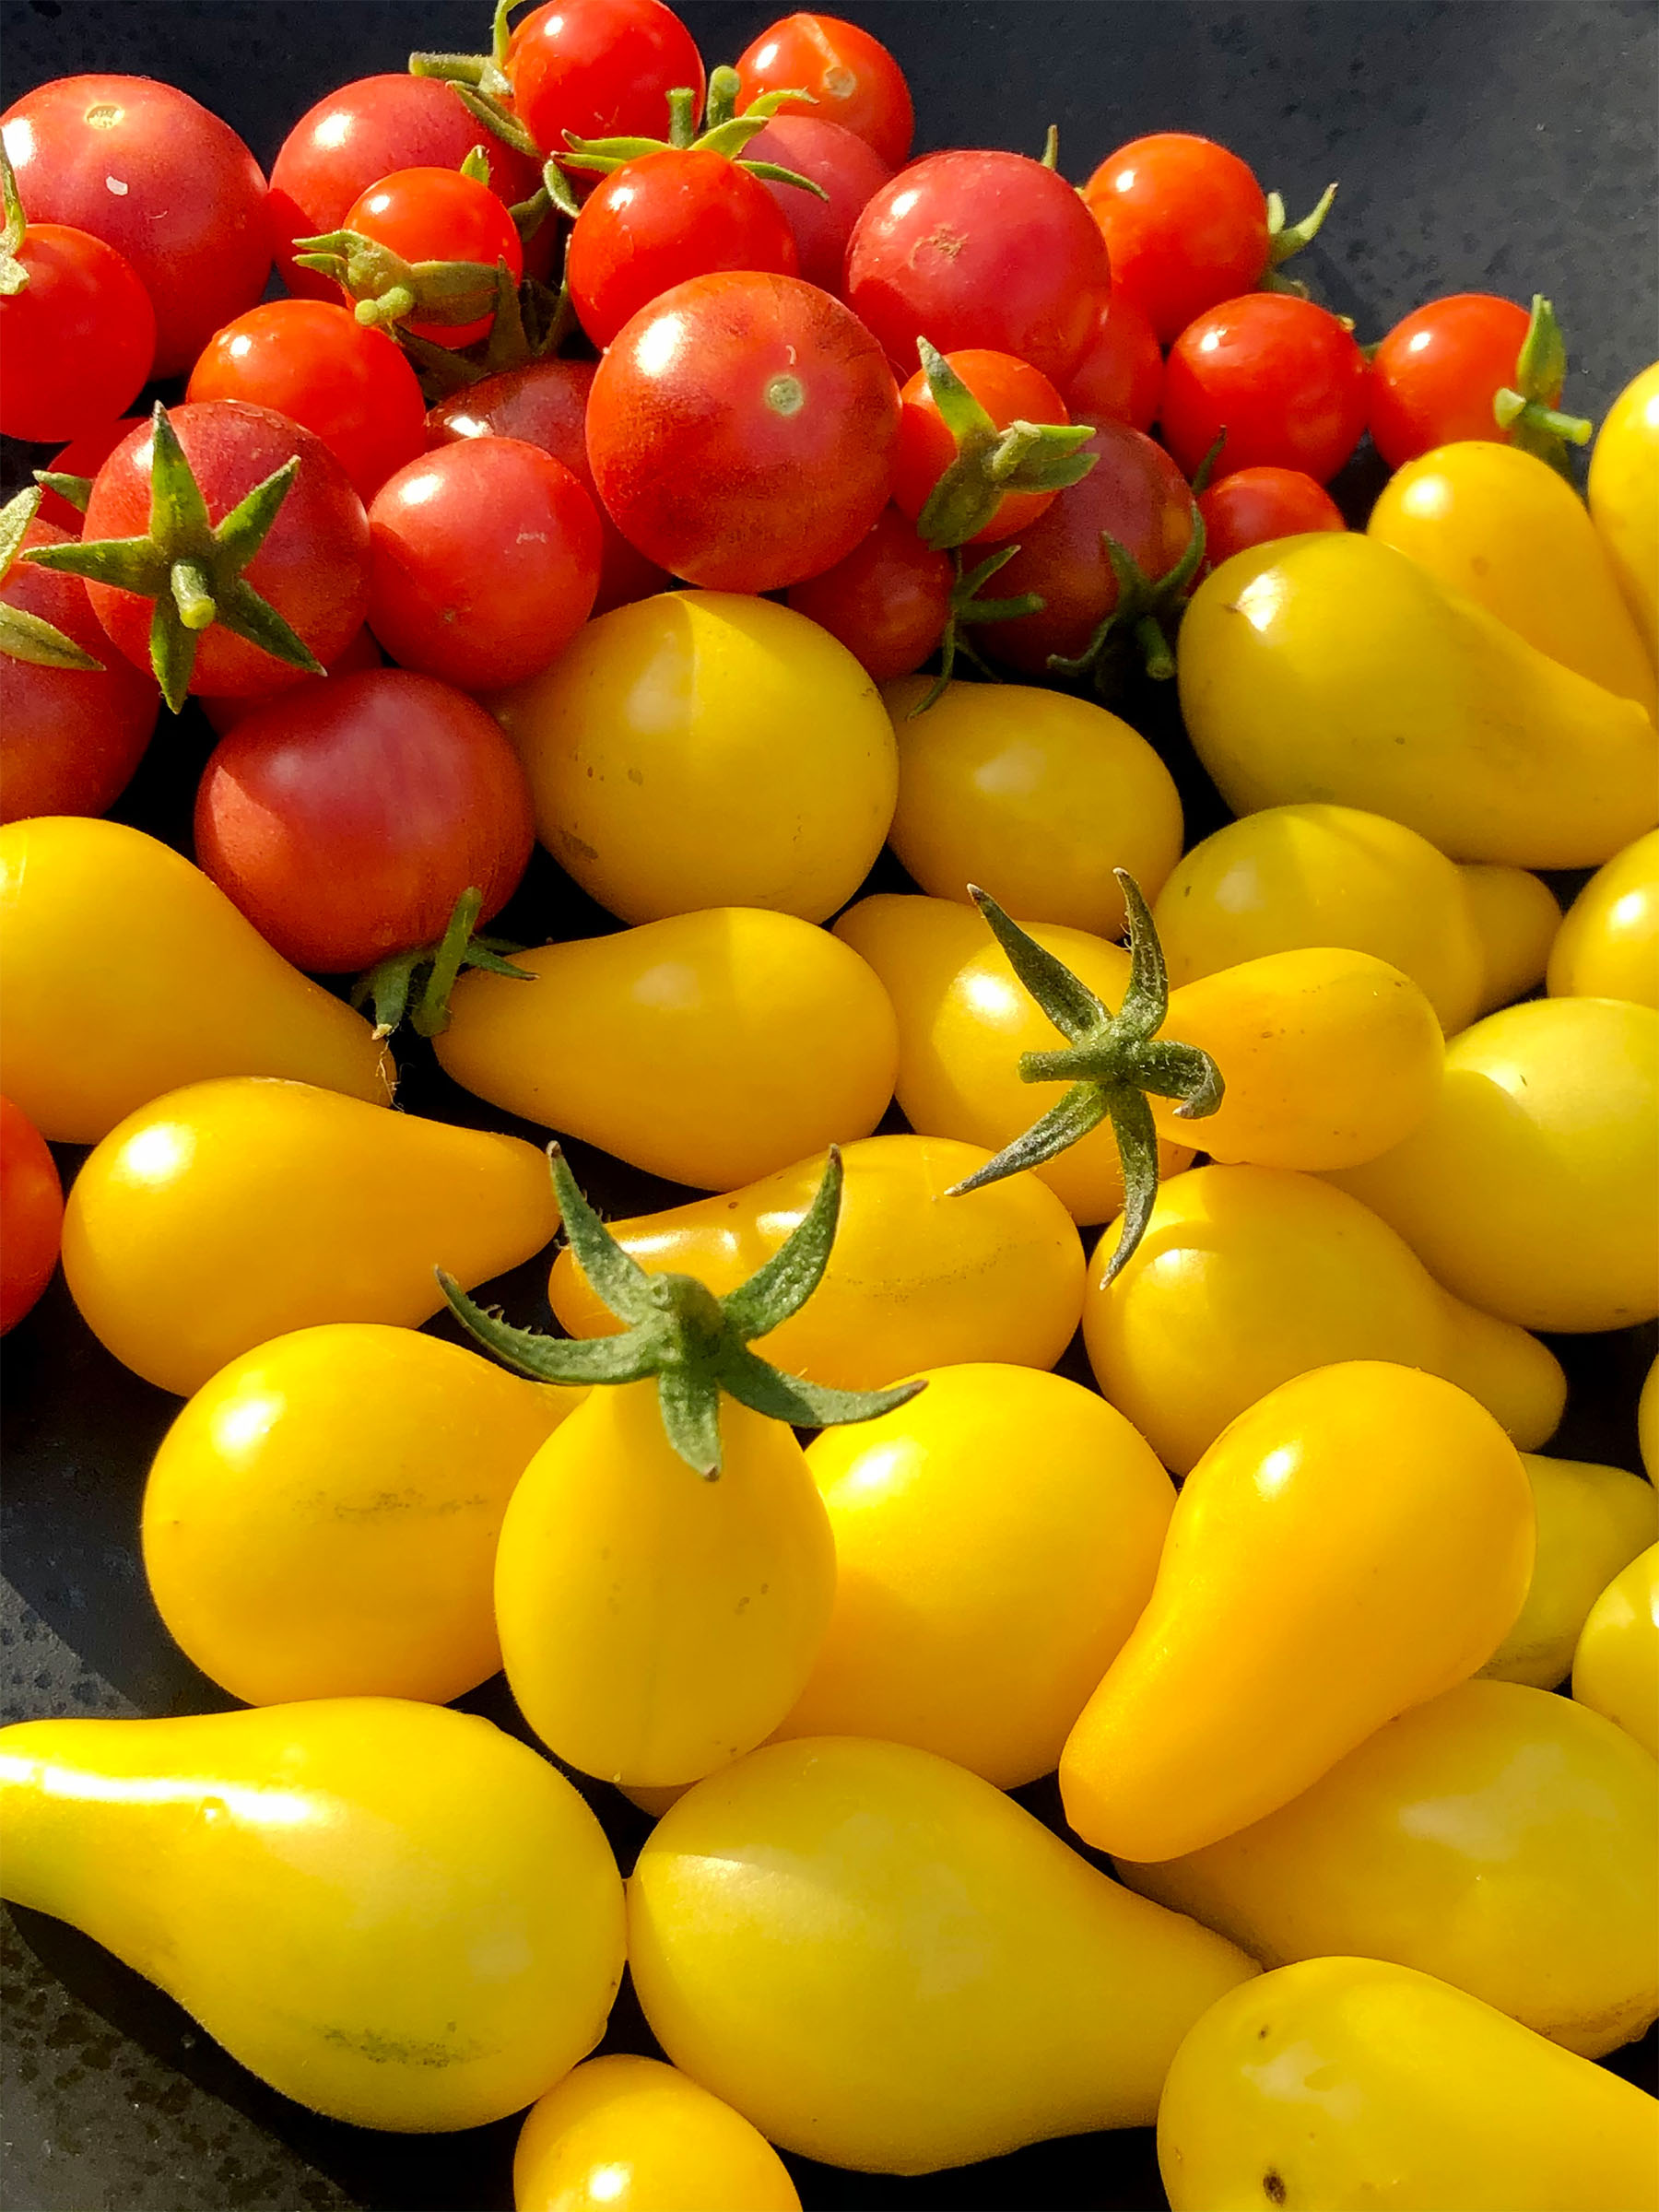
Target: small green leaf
point(571, 1359)
point(1069, 1001)
point(766, 1389)
point(1137, 1135)
point(1067, 1122)
point(178, 517)
point(172, 652)
point(614, 1276)
point(247, 616)
point(787, 1281)
point(14, 518)
point(75, 491)
point(14, 277)
point(689, 1399)
point(1285, 240)
point(26, 636)
point(248, 524)
point(129, 564)
point(475, 165)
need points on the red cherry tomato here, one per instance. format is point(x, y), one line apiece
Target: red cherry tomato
point(660, 220)
point(545, 404)
point(319, 366)
point(360, 652)
point(77, 342)
point(741, 431)
point(1009, 392)
point(153, 175)
point(852, 77)
point(439, 215)
point(360, 134)
point(1185, 224)
point(847, 170)
point(1257, 505)
point(979, 249)
point(1280, 376)
point(312, 567)
point(887, 602)
point(31, 1214)
point(1434, 376)
point(83, 456)
point(600, 69)
point(345, 820)
point(1121, 377)
point(69, 738)
point(485, 559)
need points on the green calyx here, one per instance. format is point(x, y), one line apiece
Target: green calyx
point(1143, 615)
point(191, 567)
point(481, 84)
point(1285, 240)
point(529, 323)
point(23, 636)
point(1528, 412)
point(389, 289)
point(14, 277)
point(725, 132)
point(1026, 456)
point(693, 1344)
point(967, 610)
point(1111, 1061)
point(414, 986)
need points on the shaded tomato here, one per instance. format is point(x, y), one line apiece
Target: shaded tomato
point(223, 714)
point(1185, 224)
point(887, 601)
point(600, 69)
point(1121, 376)
point(31, 1214)
point(439, 215)
point(1435, 375)
point(83, 456)
point(1280, 376)
point(76, 340)
point(1257, 505)
point(851, 75)
point(1010, 391)
point(844, 167)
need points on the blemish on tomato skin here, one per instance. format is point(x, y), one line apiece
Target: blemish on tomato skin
point(1273, 2187)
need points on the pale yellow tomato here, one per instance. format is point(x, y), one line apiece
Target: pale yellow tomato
point(631, 2134)
point(1615, 1667)
point(1592, 1521)
point(1608, 946)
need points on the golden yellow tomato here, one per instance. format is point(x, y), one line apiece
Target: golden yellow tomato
point(1608, 946)
point(631, 2135)
point(1592, 1521)
point(1516, 919)
point(1647, 1422)
point(1615, 1667)
point(1624, 496)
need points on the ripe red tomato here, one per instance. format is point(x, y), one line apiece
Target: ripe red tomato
point(1280, 376)
point(76, 341)
point(153, 175)
point(31, 1214)
point(439, 215)
point(360, 652)
point(1121, 376)
point(847, 170)
point(545, 404)
point(1434, 376)
point(319, 366)
point(852, 77)
point(83, 456)
point(1010, 391)
point(344, 819)
point(658, 221)
point(979, 249)
point(485, 559)
point(600, 69)
point(741, 431)
point(69, 738)
point(1185, 224)
point(1255, 505)
point(887, 602)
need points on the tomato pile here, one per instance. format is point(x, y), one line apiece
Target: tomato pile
point(652, 473)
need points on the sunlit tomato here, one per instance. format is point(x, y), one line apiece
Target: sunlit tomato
point(360, 652)
point(76, 340)
point(1120, 379)
point(317, 364)
point(485, 562)
point(636, 2135)
point(439, 215)
point(1281, 377)
point(600, 69)
point(1185, 224)
point(1255, 505)
point(31, 1214)
point(887, 602)
point(1010, 391)
point(83, 456)
point(1436, 374)
point(1617, 1652)
point(741, 431)
point(979, 249)
point(1608, 946)
point(145, 168)
point(347, 818)
point(846, 169)
point(852, 77)
point(1593, 1521)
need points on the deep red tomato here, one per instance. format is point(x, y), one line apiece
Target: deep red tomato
point(153, 175)
point(600, 69)
point(847, 170)
point(83, 456)
point(486, 561)
point(316, 364)
point(741, 431)
point(346, 818)
point(360, 134)
point(360, 652)
point(439, 215)
point(1121, 376)
point(1184, 222)
point(1257, 505)
point(887, 602)
point(1280, 376)
point(1010, 391)
point(77, 342)
point(660, 220)
point(69, 738)
point(545, 404)
point(1434, 376)
point(853, 78)
point(979, 249)
point(31, 1214)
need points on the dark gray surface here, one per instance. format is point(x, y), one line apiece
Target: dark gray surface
point(1502, 145)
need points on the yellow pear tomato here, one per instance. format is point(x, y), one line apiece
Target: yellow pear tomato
point(1516, 919)
point(1616, 1666)
point(1647, 1422)
point(1592, 1521)
point(1608, 946)
point(631, 2134)
point(1624, 496)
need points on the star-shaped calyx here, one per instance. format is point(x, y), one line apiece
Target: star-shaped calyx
point(991, 463)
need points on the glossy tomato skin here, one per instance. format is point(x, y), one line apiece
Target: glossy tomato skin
point(887, 601)
point(852, 77)
point(1280, 376)
point(544, 403)
point(600, 68)
point(846, 169)
point(360, 651)
point(1185, 224)
point(312, 567)
point(1121, 376)
point(77, 342)
point(741, 431)
point(1436, 374)
point(145, 168)
point(485, 559)
point(1010, 391)
point(83, 456)
point(69, 738)
point(667, 217)
point(439, 215)
point(979, 249)
point(1255, 505)
point(344, 819)
point(317, 364)
point(31, 1214)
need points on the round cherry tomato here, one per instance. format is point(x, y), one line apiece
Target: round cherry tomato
point(1010, 391)
point(142, 167)
point(979, 249)
point(669, 2140)
point(1280, 376)
point(1436, 374)
point(887, 602)
point(600, 69)
point(360, 652)
point(83, 456)
point(847, 170)
point(655, 222)
point(852, 77)
point(485, 562)
point(1185, 224)
point(76, 341)
point(1257, 505)
point(31, 1214)
point(319, 366)
point(439, 215)
point(345, 820)
point(1120, 379)
point(741, 431)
